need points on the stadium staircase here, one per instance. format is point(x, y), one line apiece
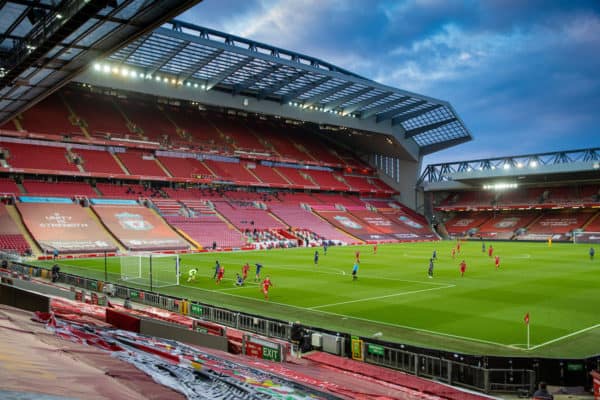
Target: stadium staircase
point(162, 166)
point(118, 161)
point(16, 217)
point(99, 222)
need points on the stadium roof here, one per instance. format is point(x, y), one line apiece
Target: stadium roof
point(580, 165)
point(223, 62)
point(46, 43)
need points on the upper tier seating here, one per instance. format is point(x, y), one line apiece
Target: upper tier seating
point(99, 113)
point(468, 199)
point(327, 181)
point(359, 183)
point(185, 167)
point(147, 117)
point(334, 198)
point(238, 131)
point(140, 163)
point(298, 198)
point(269, 175)
point(295, 176)
point(521, 197)
point(49, 116)
point(235, 172)
point(594, 224)
point(46, 157)
point(43, 188)
point(276, 137)
point(98, 161)
point(7, 185)
point(196, 127)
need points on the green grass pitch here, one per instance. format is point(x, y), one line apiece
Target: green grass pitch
point(480, 313)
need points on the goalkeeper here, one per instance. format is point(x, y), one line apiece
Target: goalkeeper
point(192, 275)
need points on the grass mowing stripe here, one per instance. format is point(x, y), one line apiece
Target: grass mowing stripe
point(381, 297)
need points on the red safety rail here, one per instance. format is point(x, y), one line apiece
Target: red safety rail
point(559, 222)
point(46, 157)
point(248, 217)
point(99, 113)
point(140, 163)
point(7, 185)
point(299, 218)
point(149, 119)
point(138, 228)
point(49, 116)
point(98, 161)
point(58, 188)
point(269, 175)
point(206, 229)
point(125, 191)
point(185, 167)
point(505, 224)
point(463, 222)
point(66, 227)
point(10, 235)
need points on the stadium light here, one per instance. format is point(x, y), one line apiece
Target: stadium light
point(195, 85)
point(97, 67)
point(166, 80)
point(500, 186)
point(506, 166)
point(519, 165)
point(533, 164)
point(203, 87)
point(188, 84)
point(148, 76)
point(124, 71)
point(115, 70)
point(157, 78)
point(134, 74)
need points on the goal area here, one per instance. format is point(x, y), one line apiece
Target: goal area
point(586, 237)
point(152, 270)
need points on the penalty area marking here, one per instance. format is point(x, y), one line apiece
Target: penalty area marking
point(381, 297)
point(589, 328)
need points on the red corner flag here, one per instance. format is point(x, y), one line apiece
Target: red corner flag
point(527, 319)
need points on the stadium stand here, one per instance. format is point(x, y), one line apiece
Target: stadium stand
point(196, 129)
point(167, 206)
point(208, 229)
point(327, 180)
point(352, 225)
point(125, 191)
point(69, 228)
point(247, 218)
point(46, 157)
point(557, 224)
point(11, 238)
point(45, 188)
point(139, 162)
point(98, 161)
point(8, 186)
point(593, 224)
point(139, 228)
point(185, 167)
point(297, 177)
point(49, 116)
point(463, 223)
point(147, 120)
point(239, 132)
point(98, 114)
point(505, 225)
point(268, 175)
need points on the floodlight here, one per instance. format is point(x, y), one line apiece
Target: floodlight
point(188, 84)
point(133, 74)
point(97, 67)
point(115, 70)
point(124, 71)
point(533, 164)
point(506, 166)
point(106, 68)
point(519, 165)
point(165, 79)
point(157, 78)
point(195, 85)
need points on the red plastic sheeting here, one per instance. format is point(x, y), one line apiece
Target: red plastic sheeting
point(396, 377)
point(138, 228)
point(66, 227)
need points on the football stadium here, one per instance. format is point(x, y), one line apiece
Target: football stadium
point(187, 213)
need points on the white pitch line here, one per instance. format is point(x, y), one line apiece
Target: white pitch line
point(537, 346)
point(465, 338)
point(380, 297)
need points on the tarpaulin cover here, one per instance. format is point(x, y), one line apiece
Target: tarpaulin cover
point(138, 228)
point(66, 227)
point(7, 225)
point(348, 223)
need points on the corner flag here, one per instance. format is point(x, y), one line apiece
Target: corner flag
point(526, 319)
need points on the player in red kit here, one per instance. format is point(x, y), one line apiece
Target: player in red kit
point(245, 269)
point(458, 246)
point(453, 252)
point(220, 274)
point(463, 268)
point(497, 262)
point(357, 256)
point(490, 251)
point(266, 284)
point(375, 248)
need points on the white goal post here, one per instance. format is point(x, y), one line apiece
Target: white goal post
point(586, 237)
point(153, 270)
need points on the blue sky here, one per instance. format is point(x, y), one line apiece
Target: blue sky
point(523, 75)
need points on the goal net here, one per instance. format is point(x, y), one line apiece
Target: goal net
point(150, 270)
point(586, 237)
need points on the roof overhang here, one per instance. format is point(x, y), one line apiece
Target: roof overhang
point(44, 44)
point(230, 71)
